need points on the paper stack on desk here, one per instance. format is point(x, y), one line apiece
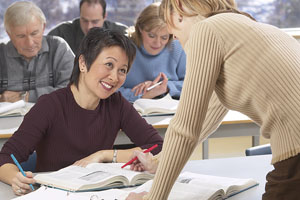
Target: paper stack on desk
point(163, 106)
point(14, 109)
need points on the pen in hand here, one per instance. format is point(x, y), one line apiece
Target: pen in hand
point(153, 86)
point(135, 158)
point(20, 168)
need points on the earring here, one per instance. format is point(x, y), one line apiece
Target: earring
point(180, 19)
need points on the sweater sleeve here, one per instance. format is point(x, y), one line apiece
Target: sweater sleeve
point(137, 129)
point(203, 67)
point(32, 130)
point(128, 94)
point(175, 86)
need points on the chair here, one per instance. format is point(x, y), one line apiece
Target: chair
point(29, 165)
point(259, 150)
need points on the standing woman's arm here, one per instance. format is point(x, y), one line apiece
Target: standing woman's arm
point(204, 61)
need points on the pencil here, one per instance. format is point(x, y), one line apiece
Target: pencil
point(135, 158)
point(20, 168)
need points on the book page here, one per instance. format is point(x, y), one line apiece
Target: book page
point(94, 176)
point(149, 106)
point(133, 177)
point(75, 178)
point(231, 186)
point(183, 191)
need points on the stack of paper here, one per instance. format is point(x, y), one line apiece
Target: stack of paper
point(14, 109)
point(163, 106)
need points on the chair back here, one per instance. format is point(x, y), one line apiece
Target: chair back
point(259, 150)
point(29, 165)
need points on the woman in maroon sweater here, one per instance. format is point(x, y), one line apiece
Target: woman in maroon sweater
point(80, 123)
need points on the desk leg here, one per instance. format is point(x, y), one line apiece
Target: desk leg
point(255, 140)
point(205, 149)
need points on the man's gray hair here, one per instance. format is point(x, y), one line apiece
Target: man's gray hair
point(20, 13)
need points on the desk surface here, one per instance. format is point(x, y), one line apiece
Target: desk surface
point(255, 167)
point(8, 125)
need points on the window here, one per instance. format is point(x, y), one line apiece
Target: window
point(280, 13)
point(56, 11)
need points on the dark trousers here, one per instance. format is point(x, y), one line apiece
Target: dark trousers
point(283, 183)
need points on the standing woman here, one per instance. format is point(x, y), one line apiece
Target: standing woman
point(253, 68)
point(81, 122)
point(158, 58)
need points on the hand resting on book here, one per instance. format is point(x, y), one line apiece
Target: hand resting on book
point(144, 162)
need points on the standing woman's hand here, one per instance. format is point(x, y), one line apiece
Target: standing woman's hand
point(136, 196)
point(20, 183)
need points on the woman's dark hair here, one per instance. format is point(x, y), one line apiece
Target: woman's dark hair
point(94, 42)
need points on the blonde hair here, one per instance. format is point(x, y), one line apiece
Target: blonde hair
point(147, 20)
point(205, 8)
point(21, 13)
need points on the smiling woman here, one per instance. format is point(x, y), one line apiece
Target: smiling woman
point(100, 69)
point(80, 122)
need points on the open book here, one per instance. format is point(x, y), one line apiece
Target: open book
point(214, 187)
point(189, 186)
point(17, 108)
point(165, 105)
point(95, 176)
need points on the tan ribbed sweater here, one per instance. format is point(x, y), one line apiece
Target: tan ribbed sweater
point(233, 63)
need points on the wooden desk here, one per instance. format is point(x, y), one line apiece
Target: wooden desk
point(234, 124)
point(255, 167)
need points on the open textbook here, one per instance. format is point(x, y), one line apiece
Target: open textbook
point(95, 176)
point(165, 105)
point(17, 108)
point(189, 186)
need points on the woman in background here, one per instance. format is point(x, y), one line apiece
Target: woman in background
point(81, 122)
point(158, 58)
point(233, 63)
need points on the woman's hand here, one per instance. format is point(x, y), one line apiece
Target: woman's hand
point(158, 90)
point(93, 158)
point(144, 162)
point(139, 88)
point(20, 183)
point(136, 196)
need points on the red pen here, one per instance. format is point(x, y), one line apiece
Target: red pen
point(135, 158)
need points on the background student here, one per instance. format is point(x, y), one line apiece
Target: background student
point(81, 121)
point(92, 14)
point(31, 62)
point(253, 68)
point(158, 58)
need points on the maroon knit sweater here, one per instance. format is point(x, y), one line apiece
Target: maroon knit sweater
point(61, 132)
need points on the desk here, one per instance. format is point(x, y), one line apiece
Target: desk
point(255, 167)
point(234, 124)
